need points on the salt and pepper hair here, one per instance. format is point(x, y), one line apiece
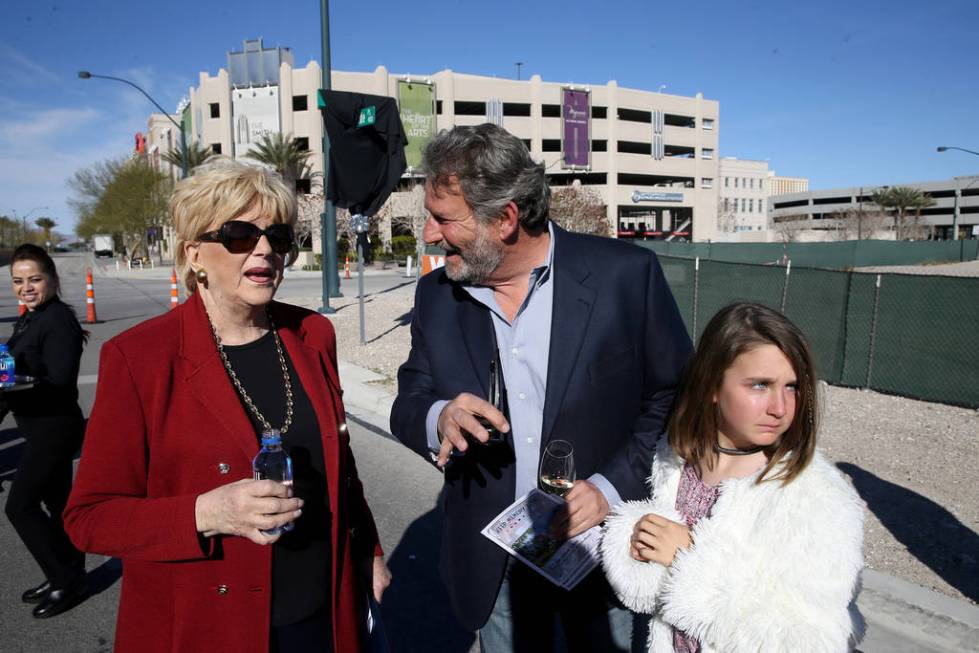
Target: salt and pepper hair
point(220, 190)
point(734, 330)
point(493, 167)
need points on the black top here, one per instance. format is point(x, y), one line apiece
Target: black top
point(47, 344)
point(301, 557)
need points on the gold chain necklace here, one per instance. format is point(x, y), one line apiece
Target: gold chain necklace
point(241, 390)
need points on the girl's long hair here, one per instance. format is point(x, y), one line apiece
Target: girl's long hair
point(734, 330)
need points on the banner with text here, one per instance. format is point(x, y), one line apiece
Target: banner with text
point(417, 103)
point(575, 109)
point(254, 113)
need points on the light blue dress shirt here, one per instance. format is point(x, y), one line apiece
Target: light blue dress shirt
point(524, 345)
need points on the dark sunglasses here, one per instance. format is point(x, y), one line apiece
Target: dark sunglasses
point(239, 237)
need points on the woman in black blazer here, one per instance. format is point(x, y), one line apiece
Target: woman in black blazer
point(46, 344)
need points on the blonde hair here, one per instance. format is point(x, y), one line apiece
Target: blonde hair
point(220, 190)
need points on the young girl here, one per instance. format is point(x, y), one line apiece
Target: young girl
point(751, 540)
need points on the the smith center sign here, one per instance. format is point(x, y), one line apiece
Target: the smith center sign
point(642, 196)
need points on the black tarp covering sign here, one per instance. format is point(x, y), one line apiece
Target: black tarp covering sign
point(367, 154)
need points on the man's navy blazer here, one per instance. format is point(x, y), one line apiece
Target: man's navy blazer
point(618, 346)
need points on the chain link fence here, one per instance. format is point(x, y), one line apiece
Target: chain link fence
point(902, 334)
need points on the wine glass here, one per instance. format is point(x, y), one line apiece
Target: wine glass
point(557, 468)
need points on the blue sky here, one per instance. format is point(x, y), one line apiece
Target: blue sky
point(856, 92)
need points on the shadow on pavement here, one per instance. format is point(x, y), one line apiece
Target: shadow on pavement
point(416, 609)
point(929, 532)
point(104, 576)
point(402, 321)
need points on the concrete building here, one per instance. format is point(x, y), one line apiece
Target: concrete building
point(832, 214)
point(782, 185)
point(742, 210)
point(652, 157)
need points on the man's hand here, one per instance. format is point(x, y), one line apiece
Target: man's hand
point(380, 577)
point(587, 507)
point(657, 539)
point(458, 416)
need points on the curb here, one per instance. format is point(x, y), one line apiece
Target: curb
point(369, 402)
point(925, 619)
point(928, 618)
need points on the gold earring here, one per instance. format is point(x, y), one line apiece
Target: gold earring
point(201, 276)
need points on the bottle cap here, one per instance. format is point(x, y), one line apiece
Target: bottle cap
point(271, 437)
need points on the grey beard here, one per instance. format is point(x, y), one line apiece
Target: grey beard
point(478, 260)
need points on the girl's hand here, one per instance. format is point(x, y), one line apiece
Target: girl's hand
point(657, 539)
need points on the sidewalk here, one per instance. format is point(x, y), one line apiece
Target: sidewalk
point(901, 617)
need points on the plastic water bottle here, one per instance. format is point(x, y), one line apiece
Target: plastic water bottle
point(273, 463)
point(7, 374)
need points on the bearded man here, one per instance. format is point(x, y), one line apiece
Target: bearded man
point(591, 346)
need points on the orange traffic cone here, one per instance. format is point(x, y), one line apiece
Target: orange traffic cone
point(90, 317)
point(346, 267)
point(174, 299)
point(21, 307)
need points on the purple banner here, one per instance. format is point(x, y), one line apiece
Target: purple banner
point(575, 118)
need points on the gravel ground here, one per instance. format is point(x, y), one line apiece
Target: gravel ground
point(913, 462)
point(966, 269)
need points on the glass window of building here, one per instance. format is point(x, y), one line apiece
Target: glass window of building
point(708, 124)
point(706, 182)
point(215, 109)
point(707, 153)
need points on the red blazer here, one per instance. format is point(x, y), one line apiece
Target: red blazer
point(168, 426)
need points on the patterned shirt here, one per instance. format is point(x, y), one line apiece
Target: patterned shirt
point(694, 499)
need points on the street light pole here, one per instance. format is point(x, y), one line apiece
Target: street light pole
point(958, 191)
point(944, 148)
point(84, 74)
point(328, 219)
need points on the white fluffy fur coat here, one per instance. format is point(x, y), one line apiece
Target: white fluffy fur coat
point(772, 568)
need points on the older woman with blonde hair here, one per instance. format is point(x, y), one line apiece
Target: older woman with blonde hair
point(165, 480)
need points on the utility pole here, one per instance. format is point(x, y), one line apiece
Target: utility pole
point(519, 65)
point(328, 219)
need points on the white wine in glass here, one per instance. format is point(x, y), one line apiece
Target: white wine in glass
point(557, 468)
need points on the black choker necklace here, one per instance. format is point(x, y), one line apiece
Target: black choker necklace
point(737, 452)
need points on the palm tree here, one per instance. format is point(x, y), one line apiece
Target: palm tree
point(903, 199)
point(196, 155)
point(282, 153)
point(46, 224)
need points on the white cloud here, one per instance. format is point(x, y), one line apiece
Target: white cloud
point(44, 128)
point(17, 69)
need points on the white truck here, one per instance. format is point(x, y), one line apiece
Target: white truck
point(103, 245)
